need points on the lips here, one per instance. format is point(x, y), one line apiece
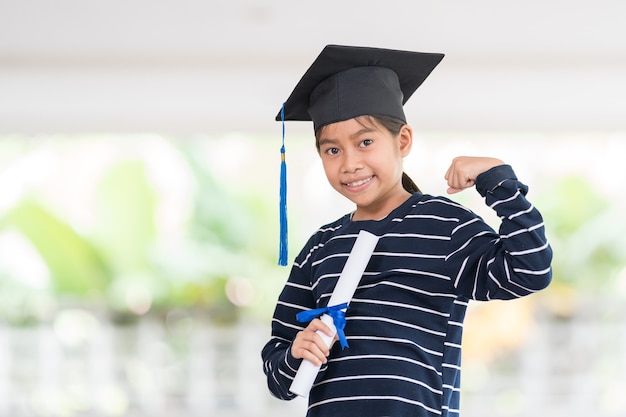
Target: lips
point(358, 183)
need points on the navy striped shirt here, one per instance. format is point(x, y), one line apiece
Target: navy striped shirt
point(405, 321)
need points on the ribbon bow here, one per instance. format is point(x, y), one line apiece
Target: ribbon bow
point(335, 312)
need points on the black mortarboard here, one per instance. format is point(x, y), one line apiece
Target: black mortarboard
point(348, 81)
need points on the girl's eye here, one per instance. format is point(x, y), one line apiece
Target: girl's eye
point(366, 142)
point(332, 151)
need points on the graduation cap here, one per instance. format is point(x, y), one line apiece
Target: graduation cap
point(345, 82)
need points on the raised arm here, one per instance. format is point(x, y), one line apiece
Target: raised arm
point(511, 263)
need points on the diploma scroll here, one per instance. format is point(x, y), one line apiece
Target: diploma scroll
point(343, 292)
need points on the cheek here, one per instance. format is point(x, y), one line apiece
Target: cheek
point(391, 166)
point(332, 175)
point(328, 169)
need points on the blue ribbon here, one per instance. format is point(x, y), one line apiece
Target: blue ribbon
point(337, 314)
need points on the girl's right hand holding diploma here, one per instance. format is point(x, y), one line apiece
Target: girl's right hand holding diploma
point(309, 345)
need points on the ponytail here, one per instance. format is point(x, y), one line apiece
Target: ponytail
point(409, 185)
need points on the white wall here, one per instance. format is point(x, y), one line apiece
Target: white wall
point(190, 66)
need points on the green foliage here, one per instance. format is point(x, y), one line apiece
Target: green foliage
point(570, 204)
point(125, 207)
point(218, 258)
point(75, 265)
point(586, 234)
point(219, 214)
point(21, 305)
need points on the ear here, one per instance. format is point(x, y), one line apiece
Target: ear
point(405, 140)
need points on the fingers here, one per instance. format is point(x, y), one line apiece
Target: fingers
point(458, 176)
point(318, 324)
point(464, 170)
point(309, 345)
point(452, 190)
point(310, 350)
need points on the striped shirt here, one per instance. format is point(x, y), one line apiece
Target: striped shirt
point(405, 321)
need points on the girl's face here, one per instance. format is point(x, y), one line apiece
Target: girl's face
point(363, 162)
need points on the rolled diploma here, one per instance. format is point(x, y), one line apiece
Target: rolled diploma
point(343, 292)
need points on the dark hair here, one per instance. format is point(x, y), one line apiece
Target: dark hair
point(394, 126)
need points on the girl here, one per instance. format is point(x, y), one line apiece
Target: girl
point(405, 320)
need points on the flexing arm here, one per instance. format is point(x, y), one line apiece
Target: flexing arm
point(464, 170)
point(511, 263)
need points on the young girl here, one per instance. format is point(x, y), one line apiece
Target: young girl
point(405, 321)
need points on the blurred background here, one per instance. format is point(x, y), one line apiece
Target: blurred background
point(139, 165)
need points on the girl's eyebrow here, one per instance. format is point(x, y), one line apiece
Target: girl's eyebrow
point(326, 141)
point(361, 132)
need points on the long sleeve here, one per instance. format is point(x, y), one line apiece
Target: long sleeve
point(511, 263)
point(279, 365)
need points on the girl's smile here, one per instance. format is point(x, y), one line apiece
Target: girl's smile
point(357, 185)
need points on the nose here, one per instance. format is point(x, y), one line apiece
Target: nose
point(351, 161)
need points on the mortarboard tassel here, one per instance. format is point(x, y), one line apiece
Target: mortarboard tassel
point(282, 254)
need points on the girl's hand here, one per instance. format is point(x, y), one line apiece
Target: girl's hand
point(464, 170)
point(309, 345)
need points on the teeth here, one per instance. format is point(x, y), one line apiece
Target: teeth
point(360, 182)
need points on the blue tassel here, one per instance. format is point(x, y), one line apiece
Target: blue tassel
point(282, 253)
